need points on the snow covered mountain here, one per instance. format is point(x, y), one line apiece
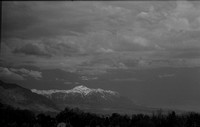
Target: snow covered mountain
point(87, 98)
point(83, 90)
point(90, 100)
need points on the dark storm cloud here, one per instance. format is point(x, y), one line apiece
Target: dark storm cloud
point(24, 72)
point(18, 74)
point(60, 47)
point(188, 54)
point(76, 34)
point(37, 19)
point(31, 49)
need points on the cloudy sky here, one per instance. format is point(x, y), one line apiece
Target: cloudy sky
point(148, 51)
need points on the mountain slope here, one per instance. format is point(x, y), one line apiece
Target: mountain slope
point(97, 100)
point(19, 97)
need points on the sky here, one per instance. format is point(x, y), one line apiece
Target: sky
point(148, 51)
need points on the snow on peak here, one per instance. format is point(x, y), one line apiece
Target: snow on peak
point(81, 89)
point(78, 89)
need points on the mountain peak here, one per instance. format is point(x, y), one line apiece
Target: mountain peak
point(81, 87)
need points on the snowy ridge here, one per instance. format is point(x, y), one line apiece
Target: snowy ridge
point(78, 89)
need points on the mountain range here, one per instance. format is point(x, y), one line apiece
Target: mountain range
point(87, 99)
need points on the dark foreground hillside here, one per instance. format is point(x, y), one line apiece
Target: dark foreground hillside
point(11, 117)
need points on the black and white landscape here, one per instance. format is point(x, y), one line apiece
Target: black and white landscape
point(100, 63)
point(90, 100)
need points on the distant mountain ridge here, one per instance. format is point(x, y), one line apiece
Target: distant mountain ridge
point(78, 89)
point(82, 97)
point(88, 98)
point(19, 97)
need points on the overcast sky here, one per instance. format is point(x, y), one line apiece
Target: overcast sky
point(122, 46)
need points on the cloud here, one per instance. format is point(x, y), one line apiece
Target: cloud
point(127, 79)
point(187, 54)
point(25, 72)
point(62, 46)
point(171, 28)
point(113, 14)
point(72, 36)
point(105, 50)
point(88, 78)
point(71, 83)
point(184, 17)
point(152, 16)
point(31, 20)
point(137, 40)
point(68, 83)
point(31, 49)
point(5, 73)
point(166, 75)
point(111, 10)
point(178, 23)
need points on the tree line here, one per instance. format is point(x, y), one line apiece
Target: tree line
point(12, 117)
